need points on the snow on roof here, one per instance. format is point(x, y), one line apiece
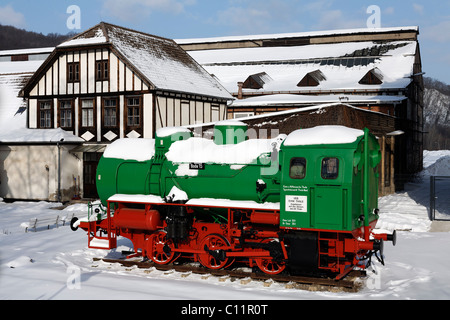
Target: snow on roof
point(13, 115)
point(13, 76)
point(83, 42)
point(296, 99)
point(24, 135)
point(26, 51)
point(278, 113)
point(342, 64)
point(8, 67)
point(323, 135)
point(12, 108)
point(90, 37)
point(161, 61)
point(296, 35)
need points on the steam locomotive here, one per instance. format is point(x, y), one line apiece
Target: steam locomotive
point(304, 203)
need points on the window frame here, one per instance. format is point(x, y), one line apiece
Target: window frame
point(102, 70)
point(63, 110)
point(48, 115)
point(241, 114)
point(333, 176)
point(291, 165)
point(134, 107)
point(82, 114)
point(105, 109)
point(73, 72)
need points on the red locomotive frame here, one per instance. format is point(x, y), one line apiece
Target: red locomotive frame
point(254, 238)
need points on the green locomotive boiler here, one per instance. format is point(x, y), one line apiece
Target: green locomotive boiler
point(305, 203)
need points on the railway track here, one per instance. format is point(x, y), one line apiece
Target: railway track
point(352, 283)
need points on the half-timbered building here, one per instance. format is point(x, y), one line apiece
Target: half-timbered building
point(111, 82)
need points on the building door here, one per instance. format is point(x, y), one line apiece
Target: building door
point(90, 163)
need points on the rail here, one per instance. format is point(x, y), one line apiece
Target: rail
point(352, 283)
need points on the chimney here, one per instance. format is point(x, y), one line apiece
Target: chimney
point(240, 85)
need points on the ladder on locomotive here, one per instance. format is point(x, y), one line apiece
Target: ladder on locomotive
point(154, 177)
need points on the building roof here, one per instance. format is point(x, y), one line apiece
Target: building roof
point(13, 116)
point(12, 108)
point(356, 61)
point(342, 66)
point(29, 51)
point(298, 35)
point(160, 61)
point(288, 100)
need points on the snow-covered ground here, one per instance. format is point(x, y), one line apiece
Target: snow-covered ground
point(56, 263)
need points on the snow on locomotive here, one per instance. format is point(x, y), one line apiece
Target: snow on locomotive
point(305, 203)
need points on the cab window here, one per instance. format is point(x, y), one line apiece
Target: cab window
point(330, 168)
point(297, 169)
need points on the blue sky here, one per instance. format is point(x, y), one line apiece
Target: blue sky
point(178, 19)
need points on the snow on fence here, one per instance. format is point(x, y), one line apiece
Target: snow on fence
point(36, 223)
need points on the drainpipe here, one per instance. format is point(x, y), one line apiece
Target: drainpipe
point(59, 169)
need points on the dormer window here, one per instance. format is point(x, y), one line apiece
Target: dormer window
point(372, 77)
point(257, 81)
point(312, 79)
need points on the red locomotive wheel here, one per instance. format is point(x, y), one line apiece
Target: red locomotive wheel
point(213, 259)
point(268, 265)
point(159, 249)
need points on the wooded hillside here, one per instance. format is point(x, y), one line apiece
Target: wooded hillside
point(13, 38)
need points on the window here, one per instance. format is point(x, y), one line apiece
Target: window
point(110, 112)
point(330, 168)
point(134, 112)
point(45, 114)
point(65, 114)
point(73, 72)
point(238, 115)
point(297, 170)
point(102, 70)
point(87, 113)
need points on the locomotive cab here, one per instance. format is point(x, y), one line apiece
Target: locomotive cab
point(322, 179)
point(329, 197)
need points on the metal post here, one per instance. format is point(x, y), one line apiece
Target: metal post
point(432, 198)
point(366, 178)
